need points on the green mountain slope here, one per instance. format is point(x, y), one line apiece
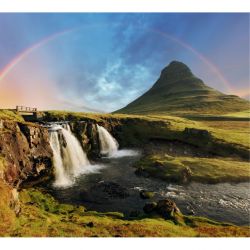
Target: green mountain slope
point(178, 91)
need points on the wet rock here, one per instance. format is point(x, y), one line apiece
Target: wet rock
point(149, 207)
point(167, 208)
point(146, 194)
point(134, 213)
point(110, 189)
point(186, 174)
point(140, 171)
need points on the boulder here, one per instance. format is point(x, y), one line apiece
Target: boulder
point(140, 171)
point(146, 194)
point(149, 207)
point(186, 174)
point(167, 208)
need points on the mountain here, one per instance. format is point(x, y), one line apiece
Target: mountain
point(179, 91)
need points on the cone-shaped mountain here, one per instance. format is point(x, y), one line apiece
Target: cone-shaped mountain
point(178, 90)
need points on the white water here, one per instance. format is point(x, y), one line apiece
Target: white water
point(61, 178)
point(70, 160)
point(109, 146)
point(74, 158)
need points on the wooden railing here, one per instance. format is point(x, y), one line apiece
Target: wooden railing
point(26, 109)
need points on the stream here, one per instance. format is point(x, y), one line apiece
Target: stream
point(223, 202)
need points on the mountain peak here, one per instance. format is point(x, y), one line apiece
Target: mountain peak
point(176, 71)
point(178, 90)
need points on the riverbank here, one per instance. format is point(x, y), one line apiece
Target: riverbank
point(209, 154)
point(42, 216)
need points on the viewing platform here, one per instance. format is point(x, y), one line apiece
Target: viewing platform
point(28, 113)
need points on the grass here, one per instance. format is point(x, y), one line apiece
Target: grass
point(10, 115)
point(241, 114)
point(206, 170)
point(2, 166)
point(178, 92)
point(42, 216)
point(138, 130)
point(7, 215)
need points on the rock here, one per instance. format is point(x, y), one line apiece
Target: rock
point(90, 224)
point(167, 208)
point(186, 174)
point(134, 213)
point(15, 203)
point(149, 207)
point(111, 189)
point(140, 171)
point(146, 194)
point(198, 133)
point(27, 153)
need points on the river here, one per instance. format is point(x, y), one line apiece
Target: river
point(223, 202)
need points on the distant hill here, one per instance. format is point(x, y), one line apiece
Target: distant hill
point(178, 91)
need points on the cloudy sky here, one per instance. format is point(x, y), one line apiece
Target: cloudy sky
point(101, 62)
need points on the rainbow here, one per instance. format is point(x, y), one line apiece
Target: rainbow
point(11, 65)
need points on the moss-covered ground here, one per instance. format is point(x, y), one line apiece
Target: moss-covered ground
point(43, 216)
point(10, 115)
point(205, 170)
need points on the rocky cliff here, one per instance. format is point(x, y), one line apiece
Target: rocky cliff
point(25, 153)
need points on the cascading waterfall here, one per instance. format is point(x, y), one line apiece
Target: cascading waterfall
point(69, 158)
point(61, 178)
point(108, 144)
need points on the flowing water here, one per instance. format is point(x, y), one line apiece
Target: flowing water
point(109, 145)
point(69, 158)
point(223, 202)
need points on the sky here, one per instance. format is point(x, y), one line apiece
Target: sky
point(100, 62)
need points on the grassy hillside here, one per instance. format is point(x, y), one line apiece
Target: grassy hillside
point(178, 92)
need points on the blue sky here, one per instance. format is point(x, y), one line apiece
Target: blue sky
point(104, 61)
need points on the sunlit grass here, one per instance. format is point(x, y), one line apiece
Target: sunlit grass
point(207, 170)
point(42, 216)
point(10, 115)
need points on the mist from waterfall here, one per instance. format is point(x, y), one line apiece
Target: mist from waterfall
point(109, 145)
point(68, 156)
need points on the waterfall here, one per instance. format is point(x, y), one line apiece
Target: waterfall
point(68, 156)
point(108, 144)
point(61, 179)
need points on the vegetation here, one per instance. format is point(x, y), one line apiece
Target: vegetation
point(139, 128)
point(178, 108)
point(206, 170)
point(10, 115)
point(179, 92)
point(41, 216)
point(7, 215)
